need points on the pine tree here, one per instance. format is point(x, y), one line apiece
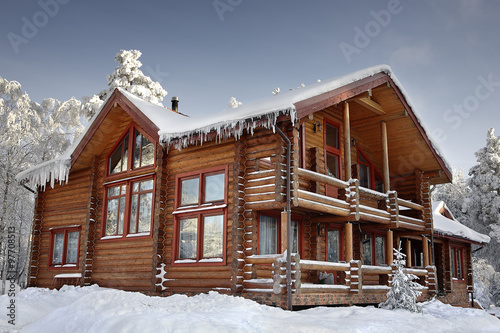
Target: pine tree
point(482, 204)
point(403, 293)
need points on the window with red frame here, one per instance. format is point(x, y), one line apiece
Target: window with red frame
point(201, 198)
point(64, 244)
point(369, 176)
point(457, 262)
point(133, 151)
point(129, 207)
point(332, 149)
point(373, 248)
point(270, 234)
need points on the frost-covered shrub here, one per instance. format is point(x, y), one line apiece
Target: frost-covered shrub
point(403, 293)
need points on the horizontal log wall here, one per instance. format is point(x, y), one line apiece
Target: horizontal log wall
point(196, 278)
point(53, 210)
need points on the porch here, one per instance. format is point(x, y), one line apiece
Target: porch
point(352, 283)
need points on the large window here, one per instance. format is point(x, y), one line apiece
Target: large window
point(129, 207)
point(369, 176)
point(133, 151)
point(457, 262)
point(373, 249)
point(129, 193)
point(200, 216)
point(270, 234)
point(64, 243)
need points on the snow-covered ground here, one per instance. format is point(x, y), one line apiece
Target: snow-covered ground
point(95, 309)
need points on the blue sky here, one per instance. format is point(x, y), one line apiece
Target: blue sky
point(445, 53)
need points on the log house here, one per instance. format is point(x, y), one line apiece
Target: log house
point(153, 201)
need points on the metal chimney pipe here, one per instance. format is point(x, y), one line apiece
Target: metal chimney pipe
point(175, 104)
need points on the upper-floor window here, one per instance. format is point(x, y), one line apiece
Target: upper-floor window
point(200, 216)
point(134, 150)
point(129, 208)
point(332, 148)
point(369, 176)
point(64, 244)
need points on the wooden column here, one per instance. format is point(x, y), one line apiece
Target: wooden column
point(385, 158)
point(347, 142)
point(389, 245)
point(425, 250)
point(283, 231)
point(348, 242)
point(408, 253)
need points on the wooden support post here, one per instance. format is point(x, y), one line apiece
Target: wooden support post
point(389, 245)
point(348, 242)
point(408, 253)
point(347, 142)
point(425, 250)
point(283, 231)
point(385, 158)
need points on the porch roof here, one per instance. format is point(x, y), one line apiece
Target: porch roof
point(452, 228)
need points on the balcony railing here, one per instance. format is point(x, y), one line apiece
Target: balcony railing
point(267, 274)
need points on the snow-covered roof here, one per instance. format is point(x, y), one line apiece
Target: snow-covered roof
point(177, 130)
point(453, 228)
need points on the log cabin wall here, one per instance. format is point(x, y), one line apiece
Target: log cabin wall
point(125, 263)
point(196, 278)
point(68, 203)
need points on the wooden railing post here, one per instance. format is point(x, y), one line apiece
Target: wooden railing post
point(356, 276)
point(348, 242)
point(425, 250)
point(353, 198)
point(394, 207)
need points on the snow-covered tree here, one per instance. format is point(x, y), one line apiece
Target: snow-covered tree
point(127, 76)
point(482, 204)
point(233, 103)
point(403, 293)
point(486, 283)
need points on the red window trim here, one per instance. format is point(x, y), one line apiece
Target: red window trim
point(277, 215)
point(128, 202)
point(340, 229)
point(199, 238)
point(454, 273)
point(201, 209)
point(371, 167)
point(330, 149)
point(130, 170)
point(66, 230)
point(373, 234)
point(200, 174)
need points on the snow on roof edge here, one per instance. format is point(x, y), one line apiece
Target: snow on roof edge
point(453, 228)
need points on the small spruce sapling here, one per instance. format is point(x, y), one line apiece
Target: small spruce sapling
point(403, 293)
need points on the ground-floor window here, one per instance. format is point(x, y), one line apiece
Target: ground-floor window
point(270, 234)
point(457, 262)
point(64, 244)
point(373, 248)
point(334, 244)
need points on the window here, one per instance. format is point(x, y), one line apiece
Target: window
point(129, 207)
point(200, 216)
point(457, 262)
point(332, 149)
point(373, 249)
point(334, 245)
point(369, 176)
point(64, 244)
point(133, 151)
point(270, 234)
